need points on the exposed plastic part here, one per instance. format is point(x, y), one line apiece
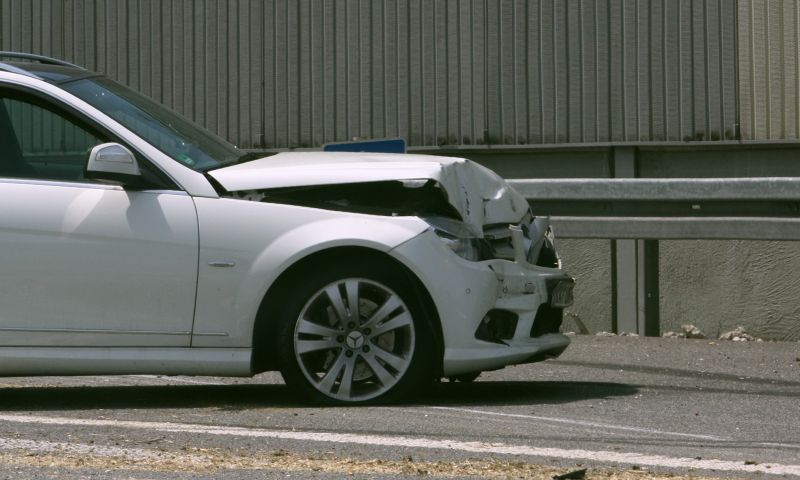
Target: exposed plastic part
point(548, 320)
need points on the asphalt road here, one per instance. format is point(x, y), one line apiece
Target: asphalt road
point(632, 405)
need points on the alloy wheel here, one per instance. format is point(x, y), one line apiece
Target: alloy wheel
point(354, 339)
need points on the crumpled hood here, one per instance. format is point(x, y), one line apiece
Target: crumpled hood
point(477, 193)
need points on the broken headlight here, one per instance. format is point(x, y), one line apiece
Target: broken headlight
point(457, 237)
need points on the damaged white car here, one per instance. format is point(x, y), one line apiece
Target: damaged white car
point(138, 243)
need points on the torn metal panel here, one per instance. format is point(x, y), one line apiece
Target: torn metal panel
point(479, 195)
point(389, 198)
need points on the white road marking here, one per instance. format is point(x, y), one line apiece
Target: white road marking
point(779, 445)
point(604, 426)
point(419, 442)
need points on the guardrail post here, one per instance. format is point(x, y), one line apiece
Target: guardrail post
point(635, 305)
point(651, 316)
point(626, 298)
point(626, 291)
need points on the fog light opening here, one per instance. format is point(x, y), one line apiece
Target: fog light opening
point(497, 326)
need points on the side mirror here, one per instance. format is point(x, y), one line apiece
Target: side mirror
point(112, 161)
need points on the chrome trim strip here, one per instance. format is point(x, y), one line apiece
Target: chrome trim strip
point(76, 330)
point(209, 334)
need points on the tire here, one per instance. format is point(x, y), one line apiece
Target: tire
point(330, 354)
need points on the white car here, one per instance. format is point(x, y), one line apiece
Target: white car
point(135, 242)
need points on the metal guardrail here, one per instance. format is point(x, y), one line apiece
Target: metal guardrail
point(674, 208)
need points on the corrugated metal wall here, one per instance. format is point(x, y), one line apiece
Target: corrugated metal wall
point(283, 73)
point(769, 59)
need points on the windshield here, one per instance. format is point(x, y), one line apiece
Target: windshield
point(174, 135)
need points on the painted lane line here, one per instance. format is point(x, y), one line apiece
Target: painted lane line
point(419, 442)
point(583, 423)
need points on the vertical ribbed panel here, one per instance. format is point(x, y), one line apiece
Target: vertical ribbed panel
point(298, 73)
point(769, 63)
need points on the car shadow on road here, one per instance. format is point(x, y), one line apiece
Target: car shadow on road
point(683, 373)
point(242, 397)
point(519, 393)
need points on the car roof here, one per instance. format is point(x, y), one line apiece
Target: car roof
point(53, 73)
point(44, 68)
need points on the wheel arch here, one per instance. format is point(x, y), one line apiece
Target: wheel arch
point(264, 331)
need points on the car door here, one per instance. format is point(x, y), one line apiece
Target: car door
point(82, 262)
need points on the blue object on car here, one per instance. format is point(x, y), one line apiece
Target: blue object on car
point(383, 145)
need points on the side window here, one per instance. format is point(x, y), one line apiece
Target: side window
point(39, 142)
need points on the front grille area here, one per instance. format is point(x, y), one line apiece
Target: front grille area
point(547, 320)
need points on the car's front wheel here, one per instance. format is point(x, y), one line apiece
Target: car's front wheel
point(353, 333)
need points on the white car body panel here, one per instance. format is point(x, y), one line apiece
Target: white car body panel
point(104, 280)
point(262, 240)
point(95, 265)
point(477, 193)
point(21, 361)
point(465, 291)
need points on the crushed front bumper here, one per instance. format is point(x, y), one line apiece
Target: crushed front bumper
point(493, 313)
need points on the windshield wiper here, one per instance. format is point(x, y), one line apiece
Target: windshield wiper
point(249, 156)
point(244, 158)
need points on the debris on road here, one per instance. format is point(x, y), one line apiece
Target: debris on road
point(739, 334)
point(576, 474)
point(208, 460)
point(611, 334)
point(578, 322)
point(686, 331)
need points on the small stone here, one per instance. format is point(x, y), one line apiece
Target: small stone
point(690, 331)
point(686, 331)
point(605, 334)
point(739, 334)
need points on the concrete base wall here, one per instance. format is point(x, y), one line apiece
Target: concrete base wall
point(714, 285)
point(718, 285)
point(589, 261)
